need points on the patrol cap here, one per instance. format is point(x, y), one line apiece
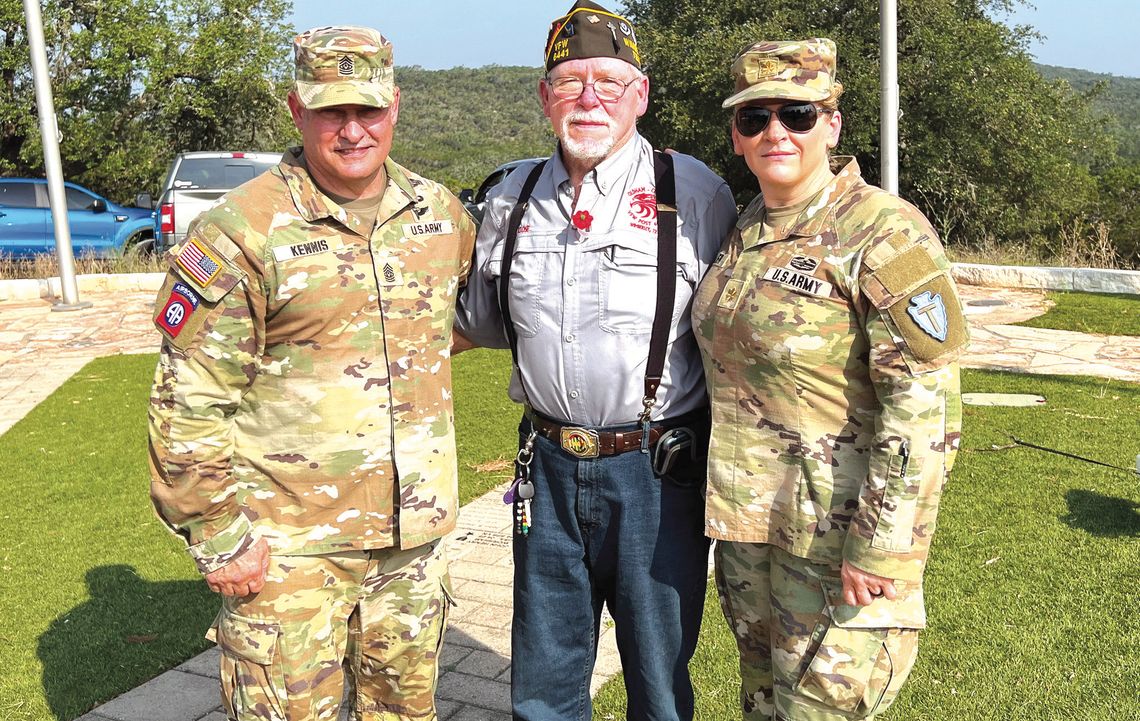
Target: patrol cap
point(343, 65)
point(591, 31)
point(784, 70)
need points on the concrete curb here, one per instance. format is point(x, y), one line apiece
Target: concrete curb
point(36, 288)
point(1088, 280)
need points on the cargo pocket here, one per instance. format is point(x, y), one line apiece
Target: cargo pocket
point(252, 677)
point(863, 654)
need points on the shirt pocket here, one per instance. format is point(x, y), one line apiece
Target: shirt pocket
point(627, 287)
point(534, 281)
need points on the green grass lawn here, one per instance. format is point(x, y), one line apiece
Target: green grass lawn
point(1034, 577)
point(95, 596)
point(1091, 313)
point(1032, 584)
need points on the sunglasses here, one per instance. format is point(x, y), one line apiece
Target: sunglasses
point(796, 117)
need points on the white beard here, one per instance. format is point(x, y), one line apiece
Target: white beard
point(586, 150)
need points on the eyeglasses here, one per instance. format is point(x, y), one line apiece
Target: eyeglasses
point(796, 117)
point(607, 89)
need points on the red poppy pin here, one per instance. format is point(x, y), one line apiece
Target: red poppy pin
point(582, 220)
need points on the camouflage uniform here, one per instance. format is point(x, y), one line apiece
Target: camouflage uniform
point(303, 396)
point(836, 418)
point(829, 345)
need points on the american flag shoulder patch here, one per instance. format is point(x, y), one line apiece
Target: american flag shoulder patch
point(199, 262)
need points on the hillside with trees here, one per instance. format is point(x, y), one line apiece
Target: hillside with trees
point(1116, 98)
point(994, 149)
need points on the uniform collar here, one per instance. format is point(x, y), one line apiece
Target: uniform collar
point(609, 173)
point(814, 218)
point(313, 205)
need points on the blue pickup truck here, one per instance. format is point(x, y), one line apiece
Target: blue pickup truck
point(98, 226)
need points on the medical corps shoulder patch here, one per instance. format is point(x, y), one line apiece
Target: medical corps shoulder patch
point(183, 301)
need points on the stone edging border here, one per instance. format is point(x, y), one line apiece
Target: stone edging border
point(1090, 280)
point(34, 289)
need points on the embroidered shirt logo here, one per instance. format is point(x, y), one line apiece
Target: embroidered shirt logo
point(643, 209)
point(929, 313)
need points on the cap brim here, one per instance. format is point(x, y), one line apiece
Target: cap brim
point(346, 92)
point(779, 90)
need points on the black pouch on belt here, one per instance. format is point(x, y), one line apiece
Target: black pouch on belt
point(681, 455)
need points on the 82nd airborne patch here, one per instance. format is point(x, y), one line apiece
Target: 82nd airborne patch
point(183, 301)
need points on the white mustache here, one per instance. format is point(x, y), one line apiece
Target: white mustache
point(580, 116)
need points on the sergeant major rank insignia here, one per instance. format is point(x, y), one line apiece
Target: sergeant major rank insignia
point(346, 66)
point(390, 275)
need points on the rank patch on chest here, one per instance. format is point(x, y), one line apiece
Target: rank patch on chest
point(183, 301)
point(430, 227)
point(390, 274)
point(730, 296)
point(300, 250)
point(799, 281)
point(199, 262)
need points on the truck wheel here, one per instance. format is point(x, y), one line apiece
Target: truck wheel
point(140, 246)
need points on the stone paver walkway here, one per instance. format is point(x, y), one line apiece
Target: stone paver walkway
point(40, 349)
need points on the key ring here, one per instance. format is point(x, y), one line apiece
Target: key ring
point(526, 454)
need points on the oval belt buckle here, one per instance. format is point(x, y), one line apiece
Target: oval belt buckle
point(580, 442)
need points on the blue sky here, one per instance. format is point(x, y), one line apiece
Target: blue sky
point(445, 33)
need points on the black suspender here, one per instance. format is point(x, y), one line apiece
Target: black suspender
point(509, 256)
point(666, 189)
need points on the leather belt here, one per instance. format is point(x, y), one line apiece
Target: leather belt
point(589, 443)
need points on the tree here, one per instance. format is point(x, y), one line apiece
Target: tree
point(135, 81)
point(988, 148)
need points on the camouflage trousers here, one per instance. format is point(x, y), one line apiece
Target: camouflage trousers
point(804, 654)
point(373, 618)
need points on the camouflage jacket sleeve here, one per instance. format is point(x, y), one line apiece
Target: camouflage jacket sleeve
point(913, 319)
point(210, 312)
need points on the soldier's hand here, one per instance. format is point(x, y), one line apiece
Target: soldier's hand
point(860, 587)
point(243, 575)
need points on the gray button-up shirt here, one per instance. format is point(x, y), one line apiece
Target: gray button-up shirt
point(582, 300)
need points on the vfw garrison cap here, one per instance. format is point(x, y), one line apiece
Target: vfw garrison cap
point(591, 31)
point(784, 70)
point(345, 65)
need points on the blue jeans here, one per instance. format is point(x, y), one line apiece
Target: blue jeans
point(606, 530)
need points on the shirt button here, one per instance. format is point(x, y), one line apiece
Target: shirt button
point(573, 394)
point(570, 338)
point(571, 281)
